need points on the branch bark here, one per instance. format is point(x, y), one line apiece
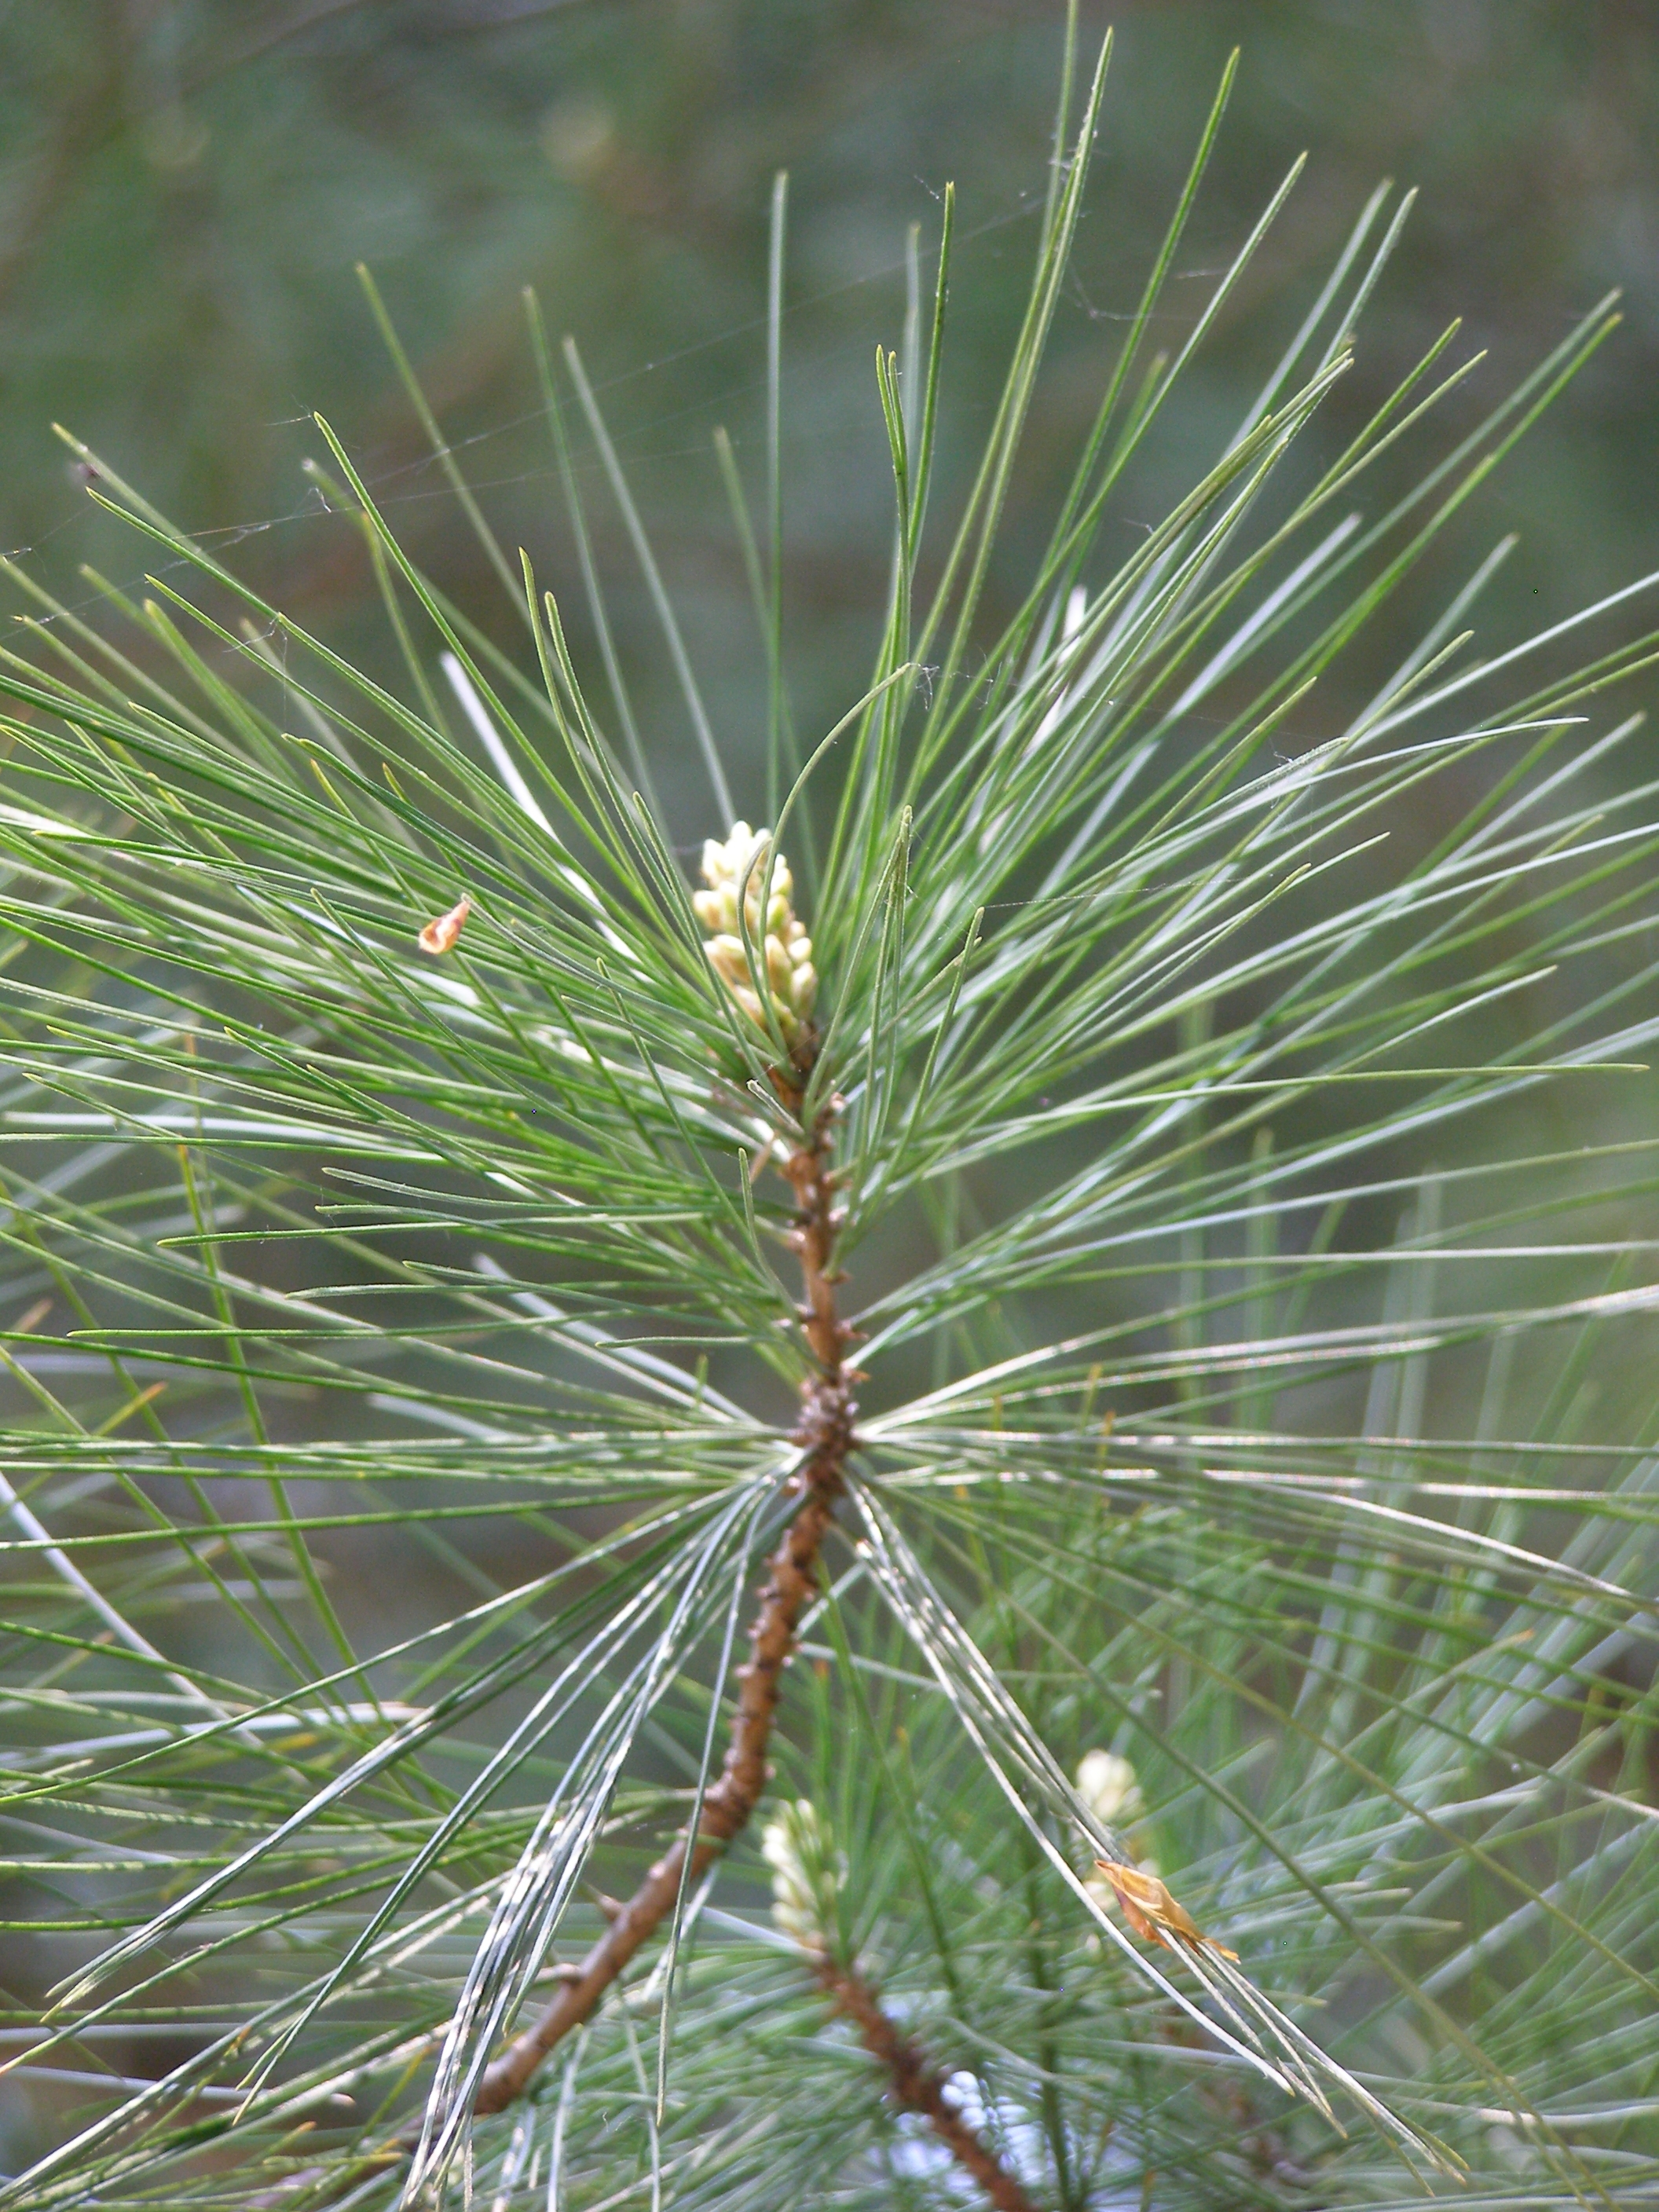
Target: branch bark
point(825, 1431)
point(914, 2084)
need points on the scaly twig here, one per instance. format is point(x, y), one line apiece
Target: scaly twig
point(807, 1877)
point(914, 2084)
point(825, 1432)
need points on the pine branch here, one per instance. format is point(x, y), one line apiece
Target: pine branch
point(1156, 1104)
point(808, 1874)
point(825, 1432)
point(914, 2084)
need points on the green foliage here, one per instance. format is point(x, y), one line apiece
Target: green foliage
point(1226, 1360)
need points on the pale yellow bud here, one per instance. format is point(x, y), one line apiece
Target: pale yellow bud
point(727, 959)
point(807, 1873)
point(1108, 1786)
point(734, 873)
point(778, 966)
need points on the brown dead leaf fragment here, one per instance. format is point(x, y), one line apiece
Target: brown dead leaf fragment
point(438, 936)
point(1151, 1911)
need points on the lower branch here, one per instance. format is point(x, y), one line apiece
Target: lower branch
point(914, 2084)
point(826, 1430)
point(725, 1808)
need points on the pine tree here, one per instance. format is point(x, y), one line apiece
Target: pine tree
point(1040, 1395)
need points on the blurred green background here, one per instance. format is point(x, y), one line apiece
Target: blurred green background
point(188, 183)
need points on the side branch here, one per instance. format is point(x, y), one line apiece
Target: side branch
point(914, 2084)
point(826, 1432)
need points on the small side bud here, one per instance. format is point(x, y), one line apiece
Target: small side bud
point(438, 936)
point(808, 1873)
point(1107, 1784)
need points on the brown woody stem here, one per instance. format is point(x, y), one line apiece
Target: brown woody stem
point(914, 2084)
point(825, 1431)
